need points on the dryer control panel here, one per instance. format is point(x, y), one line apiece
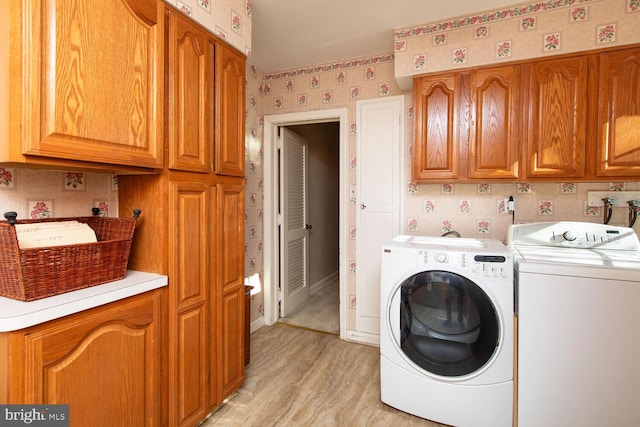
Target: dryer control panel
point(482, 265)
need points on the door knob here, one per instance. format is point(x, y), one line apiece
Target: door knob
point(363, 206)
point(308, 226)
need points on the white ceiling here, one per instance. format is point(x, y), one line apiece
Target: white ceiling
point(289, 34)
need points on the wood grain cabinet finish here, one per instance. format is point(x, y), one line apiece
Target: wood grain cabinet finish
point(189, 264)
point(85, 82)
point(618, 133)
point(230, 114)
point(231, 287)
point(190, 101)
point(436, 147)
point(557, 125)
point(495, 123)
point(105, 363)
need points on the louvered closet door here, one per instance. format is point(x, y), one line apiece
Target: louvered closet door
point(294, 265)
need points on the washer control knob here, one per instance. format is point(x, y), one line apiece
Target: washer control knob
point(569, 235)
point(441, 257)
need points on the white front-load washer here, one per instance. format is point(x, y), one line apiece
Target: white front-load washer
point(577, 305)
point(446, 333)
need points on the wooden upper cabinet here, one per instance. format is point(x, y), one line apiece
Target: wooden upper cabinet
point(86, 81)
point(557, 126)
point(190, 100)
point(436, 129)
point(230, 114)
point(618, 134)
point(494, 124)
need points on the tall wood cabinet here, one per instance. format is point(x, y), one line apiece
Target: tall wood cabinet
point(193, 226)
point(84, 82)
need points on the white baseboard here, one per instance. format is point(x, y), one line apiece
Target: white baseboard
point(257, 324)
point(331, 278)
point(363, 338)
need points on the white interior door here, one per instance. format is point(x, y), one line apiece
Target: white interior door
point(294, 233)
point(380, 134)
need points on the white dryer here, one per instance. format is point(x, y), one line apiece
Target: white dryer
point(446, 335)
point(578, 302)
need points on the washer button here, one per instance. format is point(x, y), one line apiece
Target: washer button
point(441, 257)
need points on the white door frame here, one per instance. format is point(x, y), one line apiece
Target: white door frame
point(271, 250)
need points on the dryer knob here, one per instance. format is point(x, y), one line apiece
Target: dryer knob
point(441, 257)
point(569, 235)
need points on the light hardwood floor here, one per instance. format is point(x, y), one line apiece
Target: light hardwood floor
point(321, 312)
point(299, 377)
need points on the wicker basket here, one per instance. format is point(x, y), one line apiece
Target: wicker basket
point(35, 273)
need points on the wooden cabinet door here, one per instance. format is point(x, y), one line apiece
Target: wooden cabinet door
point(494, 127)
point(556, 126)
point(91, 73)
point(230, 287)
point(104, 363)
point(190, 124)
point(436, 148)
point(618, 135)
point(188, 280)
point(230, 114)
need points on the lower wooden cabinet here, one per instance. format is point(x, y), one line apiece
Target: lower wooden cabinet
point(105, 363)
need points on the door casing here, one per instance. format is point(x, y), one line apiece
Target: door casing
point(271, 249)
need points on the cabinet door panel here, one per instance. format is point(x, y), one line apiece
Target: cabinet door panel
point(231, 235)
point(230, 287)
point(188, 277)
point(105, 363)
point(556, 133)
point(232, 341)
point(619, 114)
point(190, 127)
point(94, 74)
point(436, 143)
point(494, 129)
point(230, 114)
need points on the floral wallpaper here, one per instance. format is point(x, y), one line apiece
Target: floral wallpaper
point(35, 194)
point(518, 32)
point(230, 20)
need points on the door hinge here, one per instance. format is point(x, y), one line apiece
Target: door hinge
point(279, 143)
point(279, 294)
point(279, 219)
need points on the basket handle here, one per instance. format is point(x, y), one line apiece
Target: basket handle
point(11, 217)
point(94, 211)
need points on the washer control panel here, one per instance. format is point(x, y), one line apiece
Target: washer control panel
point(573, 235)
point(482, 265)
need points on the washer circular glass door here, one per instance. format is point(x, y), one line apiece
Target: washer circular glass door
point(448, 324)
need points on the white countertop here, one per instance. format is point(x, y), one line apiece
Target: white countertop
point(16, 314)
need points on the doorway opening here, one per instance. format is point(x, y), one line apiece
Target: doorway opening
point(325, 254)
